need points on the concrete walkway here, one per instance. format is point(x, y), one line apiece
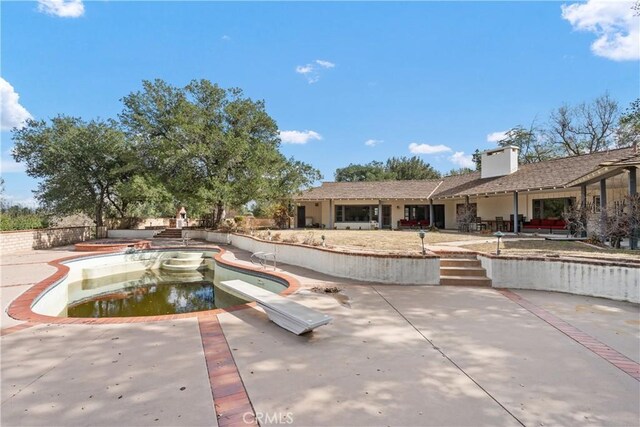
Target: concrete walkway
point(394, 355)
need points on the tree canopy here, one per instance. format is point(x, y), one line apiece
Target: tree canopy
point(211, 147)
point(574, 130)
point(584, 128)
point(84, 166)
point(531, 144)
point(395, 168)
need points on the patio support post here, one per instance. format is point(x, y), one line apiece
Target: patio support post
point(330, 214)
point(516, 226)
point(583, 205)
point(379, 214)
point(603, 206)
point(431, 224)
point(633, 183)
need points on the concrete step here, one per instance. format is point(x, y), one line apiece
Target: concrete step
point(170, 233)
point(465, 281)
point(463, 271)
point(459, 262)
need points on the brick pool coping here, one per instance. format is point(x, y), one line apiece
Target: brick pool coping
point(20, 308)
point(612, 356)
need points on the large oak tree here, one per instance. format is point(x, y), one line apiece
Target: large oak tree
point(213, 148)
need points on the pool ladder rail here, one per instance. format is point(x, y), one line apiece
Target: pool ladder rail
point(263, 258)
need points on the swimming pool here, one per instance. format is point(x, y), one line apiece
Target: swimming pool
point(135, 284)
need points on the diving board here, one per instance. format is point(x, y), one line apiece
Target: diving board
point(282, 311)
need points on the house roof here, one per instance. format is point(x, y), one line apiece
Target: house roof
point(555, 173)
point(419, 189)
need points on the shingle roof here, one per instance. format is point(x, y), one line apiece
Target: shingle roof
point(556, 173)
point(553, 173)
point(421, 189)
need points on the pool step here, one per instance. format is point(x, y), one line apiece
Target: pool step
point(463, 270)
point(184, 261)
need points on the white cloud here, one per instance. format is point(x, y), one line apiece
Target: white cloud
point(372, 142)
point(62, 8)
point(12, 114)
point(613, 22)
point(496, 136)
point(10, 166)
point(462, 160)
point(226, 38)
point(28, 202)
point(325, 64)
point(312, 70)
point(298, 137)
point(427, 149)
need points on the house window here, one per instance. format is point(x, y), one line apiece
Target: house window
point(551, 208)
point(356, 213)
point(416, 212)
point(595, 207)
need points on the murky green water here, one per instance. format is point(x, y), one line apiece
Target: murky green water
point(147, 293)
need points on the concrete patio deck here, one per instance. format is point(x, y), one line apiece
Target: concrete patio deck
point(394, 355)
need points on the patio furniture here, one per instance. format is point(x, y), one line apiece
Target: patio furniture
point(500, 224)
point(479, 225)
point(544, 225)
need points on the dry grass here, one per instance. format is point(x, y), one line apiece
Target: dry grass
point(408, 242)
point(554, 248)
point(367, 240)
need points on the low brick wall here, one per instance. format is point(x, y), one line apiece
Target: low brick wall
point(26, 240)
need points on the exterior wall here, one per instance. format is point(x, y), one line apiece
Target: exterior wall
point(397, 212)
point(491, 207)
point(599, 279)
point(450, 222)
point(313, 211)
point(400, 270)
point(26, 240)
point(131, 234)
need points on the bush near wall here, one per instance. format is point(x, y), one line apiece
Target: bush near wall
point(11, 222)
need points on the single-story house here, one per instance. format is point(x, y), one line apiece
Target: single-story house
point(535, 193)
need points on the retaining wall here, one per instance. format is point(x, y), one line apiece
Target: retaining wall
point(25, 240)
point(392, 269)
point(131, 234)
point(582, 277)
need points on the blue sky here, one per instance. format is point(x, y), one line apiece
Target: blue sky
point(432, 78)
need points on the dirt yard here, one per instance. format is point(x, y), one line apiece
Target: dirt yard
point(408, 242)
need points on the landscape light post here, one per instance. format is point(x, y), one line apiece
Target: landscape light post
point(422, 234)
point(499, 235)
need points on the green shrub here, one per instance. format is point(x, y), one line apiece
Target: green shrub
point(22, 221)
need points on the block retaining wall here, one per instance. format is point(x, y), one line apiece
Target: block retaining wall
point(25, 240)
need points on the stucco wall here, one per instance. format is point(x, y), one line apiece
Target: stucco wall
point(401, 270)
point(25, 240)
point(131, 234)
point(598, 279)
